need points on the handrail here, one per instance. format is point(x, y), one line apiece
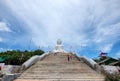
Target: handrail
point(88, 61)
point(32, 61)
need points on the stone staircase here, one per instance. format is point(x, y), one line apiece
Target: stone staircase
point(56, 67)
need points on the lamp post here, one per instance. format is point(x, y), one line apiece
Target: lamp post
point(21, 57)
point(29, 44)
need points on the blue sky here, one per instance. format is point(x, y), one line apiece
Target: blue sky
point(92, 24)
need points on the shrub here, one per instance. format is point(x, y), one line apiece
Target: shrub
point(112, 77)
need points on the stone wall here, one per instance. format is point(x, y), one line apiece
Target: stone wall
point(110, 69)
point(10, 77)
point(9, 69)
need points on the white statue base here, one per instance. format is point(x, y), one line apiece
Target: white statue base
point(59, 47)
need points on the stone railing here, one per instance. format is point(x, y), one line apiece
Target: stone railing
point(91, 63)
point(32, 61)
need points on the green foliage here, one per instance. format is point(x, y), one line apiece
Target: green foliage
point(119, 59)
point(17, 57)
point(112, 77)
point(96, 60)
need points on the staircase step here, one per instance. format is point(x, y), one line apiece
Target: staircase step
point(58, 68)
point(89, 79)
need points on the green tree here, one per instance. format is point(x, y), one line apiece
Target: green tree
point(16, 57)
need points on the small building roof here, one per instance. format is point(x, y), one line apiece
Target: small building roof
point(107, 61)
point(2, 59)
point(115, 63)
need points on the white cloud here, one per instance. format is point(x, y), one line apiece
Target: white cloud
point(1, 39)
point(74, 21)
point(4, 27)
point(3, 49)
point(118, 54)
point(106, 48)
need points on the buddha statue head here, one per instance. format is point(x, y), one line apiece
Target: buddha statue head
point(59, 42)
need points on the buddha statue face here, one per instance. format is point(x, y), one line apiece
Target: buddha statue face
point(59, 42)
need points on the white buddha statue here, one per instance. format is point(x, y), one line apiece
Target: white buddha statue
point(59, 46)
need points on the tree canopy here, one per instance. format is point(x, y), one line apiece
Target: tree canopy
point(17, 57)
